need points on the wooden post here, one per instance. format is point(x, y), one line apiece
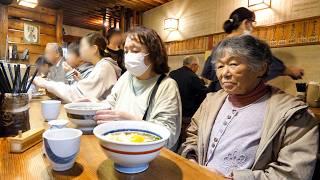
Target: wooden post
point(140, 18)
point(134, 18)
point(122, 19)
point(115, 20)
point(3, 30)
point(59, 26)
point(103, 24)
point(110, 22)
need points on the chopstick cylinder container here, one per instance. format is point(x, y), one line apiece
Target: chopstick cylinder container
point(14, 114)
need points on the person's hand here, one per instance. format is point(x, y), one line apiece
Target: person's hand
point(39, 82)
point(294, 72)
point(103, 116)
point(66, 67)
point(206, 81)
point(76, 75)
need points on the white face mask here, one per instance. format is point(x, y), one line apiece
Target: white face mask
point(134, 63)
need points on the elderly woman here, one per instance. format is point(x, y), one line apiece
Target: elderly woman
point(249, 130)
point(144, 92)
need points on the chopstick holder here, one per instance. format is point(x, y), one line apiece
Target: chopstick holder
point(26, 140)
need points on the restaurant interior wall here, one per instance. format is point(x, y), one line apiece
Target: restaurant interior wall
point(199, 18)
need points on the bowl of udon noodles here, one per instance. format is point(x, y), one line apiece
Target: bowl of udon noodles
point(132, 145)
point(81, 114)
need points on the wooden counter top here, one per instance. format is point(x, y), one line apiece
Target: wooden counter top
point(91, 162)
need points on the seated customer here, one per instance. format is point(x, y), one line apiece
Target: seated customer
point(192, 91)
point(146, 61)
point(249, 130)
point(114, 38)
point(54, 55)
point(98, 84)
point(43, 65)
point(75, 67)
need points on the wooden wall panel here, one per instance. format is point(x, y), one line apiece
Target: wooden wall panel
point(292, 33)
point(59, 24)
point(16, 36)
point(3, 30)
point(38, 9)
point(45, 18)
point(44, 28)
point(35, 16)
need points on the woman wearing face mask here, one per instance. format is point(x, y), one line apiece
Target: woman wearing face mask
point(114, 38)
point(100, 81)
point(242, 22)
point(144, 92)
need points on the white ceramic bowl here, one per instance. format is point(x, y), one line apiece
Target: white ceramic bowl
point(131, 157)
point(81, 114)
point(61, 147)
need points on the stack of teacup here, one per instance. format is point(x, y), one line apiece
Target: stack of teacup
point(60, 144)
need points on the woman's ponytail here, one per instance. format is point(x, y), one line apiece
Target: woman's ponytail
point(236, 18)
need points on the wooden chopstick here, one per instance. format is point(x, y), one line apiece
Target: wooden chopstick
point(4, 72)
point(19, 78)
point(11, 75)
point(33, 76)
point(15, 79)
point(19, 85)
point(24, 79)
point(3, 80)
point(2, 84)
point(26, 83)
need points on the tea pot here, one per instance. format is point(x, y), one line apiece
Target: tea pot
point(313, 94)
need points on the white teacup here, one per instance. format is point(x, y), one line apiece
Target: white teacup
point(61, 147)
point(50, 109)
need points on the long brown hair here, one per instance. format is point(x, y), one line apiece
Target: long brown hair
point(97, 39)
point(155, 47)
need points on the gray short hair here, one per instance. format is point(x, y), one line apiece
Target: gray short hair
point(255, 51)
point(188, 60)
point(57, 48)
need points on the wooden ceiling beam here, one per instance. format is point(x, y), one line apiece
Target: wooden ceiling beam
point(150, 2)
point(88, 13)
point(160, 1)
point(87, 21)
point(86, 26)
point(85, 12)
point(134, 6)
point(77, 14)
point(87, 4)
